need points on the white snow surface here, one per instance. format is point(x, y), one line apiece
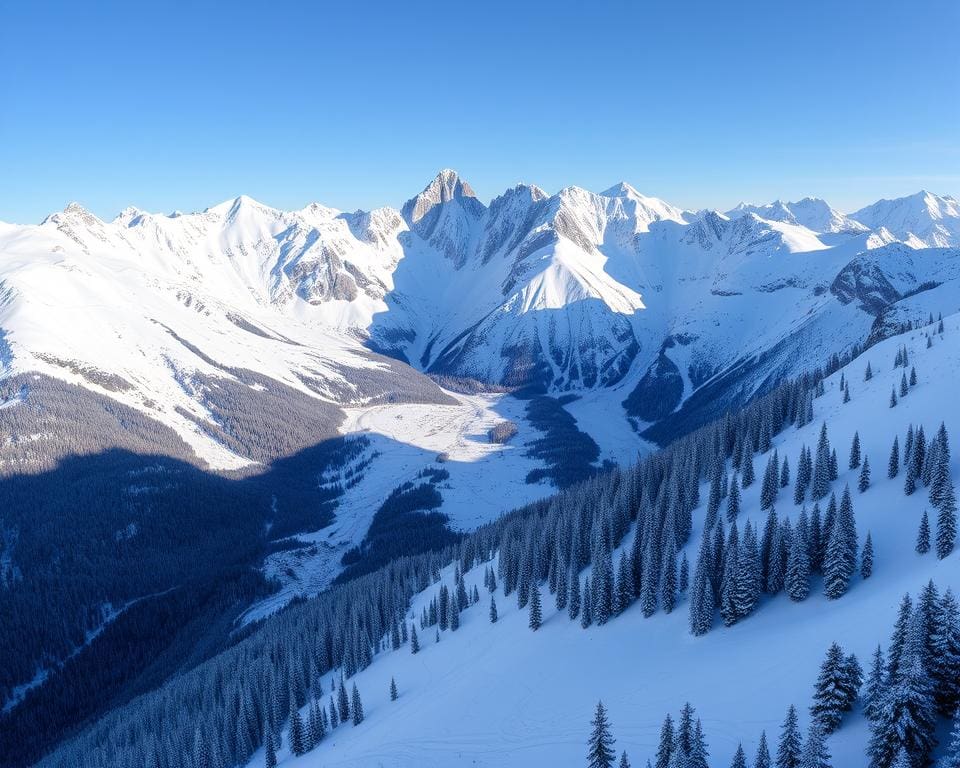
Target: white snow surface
point(500, 695)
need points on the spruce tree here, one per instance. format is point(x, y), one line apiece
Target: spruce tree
point(762, 757)
point(298, 739)
point(815, 754)
point(875, 686)
point(624, 760)
point(600, 752)
point(893, 465)
point(739, 758)
point(907, 719)
point(414, 640)
point(733, 500)
point(665, 747)
point(944, 659)
point(790, 745)
point(868, 373)
point(855, 451)
point(343, 702)
point(747, 469)
point(835, 690)
point(821, 468)
point(586, 609)
point(683, 580)
point(536, 616)
point(951, 758)
point(942, 494)
point(573, 604)
point(893, 398)
point(866, 558)
point(393, 690)
point(270, 754)
point(701, 595)
point(493, 610)
point(797, 579)
point(356, 705)
point(923, 535)
point(864, 481)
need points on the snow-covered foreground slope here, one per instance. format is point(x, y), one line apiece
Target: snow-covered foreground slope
point(501, 695)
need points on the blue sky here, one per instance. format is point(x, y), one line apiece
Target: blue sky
point(168, 106)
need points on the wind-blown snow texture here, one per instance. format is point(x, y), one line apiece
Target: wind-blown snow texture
point(501, 695)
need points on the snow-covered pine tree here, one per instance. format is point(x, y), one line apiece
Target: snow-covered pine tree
point(821, 468)
point(797, 579)
point(493, 609)
point(875, 686)
point(907, 719)
point(893, 398)
point(536, 616)
point(815, 753)
point(297, 736)
point(665, 746)
point(762, 757)
point(739, 758)
point(733, 500)
point(747, 469)
point(790, 745)
point(893, 465)
point(702, 603)
point(944, 661)
point(951, 758)
point(600, 752)
point(868, 373)
point(835, 690)
point(573, 605)
point(855, 451)
point(923, 535)
point(683, 580)
point(356, 705)
point(668, 576)
point(863, 483)
point(393, 690)
point(866, 558)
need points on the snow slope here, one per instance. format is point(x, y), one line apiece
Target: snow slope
point(501, 695)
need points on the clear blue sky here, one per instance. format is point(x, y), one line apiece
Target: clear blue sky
point(166, 105)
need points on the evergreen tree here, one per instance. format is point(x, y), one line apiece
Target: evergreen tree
point(270, 755)
point(835, 575)
point(855, 451)
point(945, 654)
point(821, 468)
point(866, 558)
point(334, 718)
point(762, 758)
point(790, 744)
point(868, 374)
point(624, 760)
point(600, 752)
point(835, 690)
point(875, 687)
point(903, 385)
point(414, 640)
point(393, 690)
point(747, 469)
point(665, 747)
point(702, 603)
point(864, 482)
point(797, 580)
point(733, 500)
point(907, 720)
point(298, 737)
point(356, 705)
point(739, 758)
point(668, 576)
point(942, 495)
point(493, 609)
point(923, 535)
point(815, 754)
point(683, 581)
point(785, 473)
point(573, 605)
point(535, 614)
point(586, 609)
point(951, 758)
point(893, 466)
point(343, 702)
point(893, 398)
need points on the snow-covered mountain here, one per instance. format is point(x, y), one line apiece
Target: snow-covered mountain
point(923, 219)
point(614, 293)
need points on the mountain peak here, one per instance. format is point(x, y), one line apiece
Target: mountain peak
point(446, 187)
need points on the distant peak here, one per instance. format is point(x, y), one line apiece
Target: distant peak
point(446, 187)
point(621, 189)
